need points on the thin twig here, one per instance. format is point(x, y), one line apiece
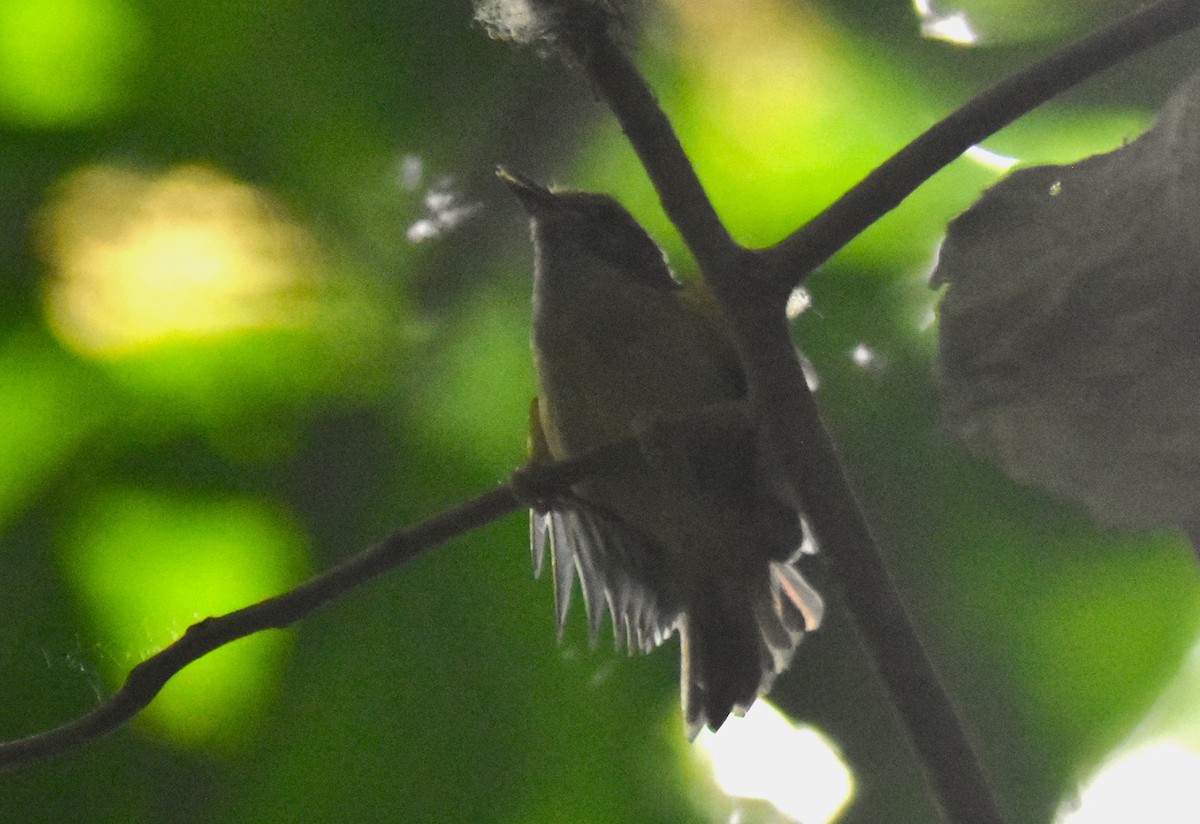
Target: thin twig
point(148, 678)
point(791, 260)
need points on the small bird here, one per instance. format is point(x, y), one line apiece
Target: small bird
point(697, 540)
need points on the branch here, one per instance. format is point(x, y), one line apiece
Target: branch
point(750, 288)
point(791, 260)
point(147, 678)
point(652, 137)
point(800, 446)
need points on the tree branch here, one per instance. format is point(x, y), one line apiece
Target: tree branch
point(751, 288)
point(791, 260)
point(148, 678)
point(786, 408)
point(798, 442)
point(649, 132)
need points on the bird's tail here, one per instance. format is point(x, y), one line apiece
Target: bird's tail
point(733, 646)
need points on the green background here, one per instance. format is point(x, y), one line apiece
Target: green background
point(182, 440)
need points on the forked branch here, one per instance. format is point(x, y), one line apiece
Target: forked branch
point(751, 287)
point(794, 258)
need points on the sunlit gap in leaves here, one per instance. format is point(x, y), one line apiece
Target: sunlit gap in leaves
point(140, 258)
point(1154, 783)
point(1152, 776)
point(765, 757)
point(952, 28)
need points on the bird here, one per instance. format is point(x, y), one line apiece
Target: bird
point(697, 540)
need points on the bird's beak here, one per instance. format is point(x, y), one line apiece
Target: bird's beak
point(535, 197)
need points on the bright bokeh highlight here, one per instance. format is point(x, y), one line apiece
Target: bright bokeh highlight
point(991, 160)
point(146, 564)
point(995, 22)
point(141, 259)
point(65, 62)
point(952, 28)
point(1151, 776)
point(1153, 783)
point(793, 767)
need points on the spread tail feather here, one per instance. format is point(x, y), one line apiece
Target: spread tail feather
point(735, 638)
point(721, 667)
point(731, 649)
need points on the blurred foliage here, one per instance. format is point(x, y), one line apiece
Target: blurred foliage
point(66, 62)
point(205, 557)
point(262, 302)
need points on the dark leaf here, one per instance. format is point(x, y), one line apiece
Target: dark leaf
point(1070, 331)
